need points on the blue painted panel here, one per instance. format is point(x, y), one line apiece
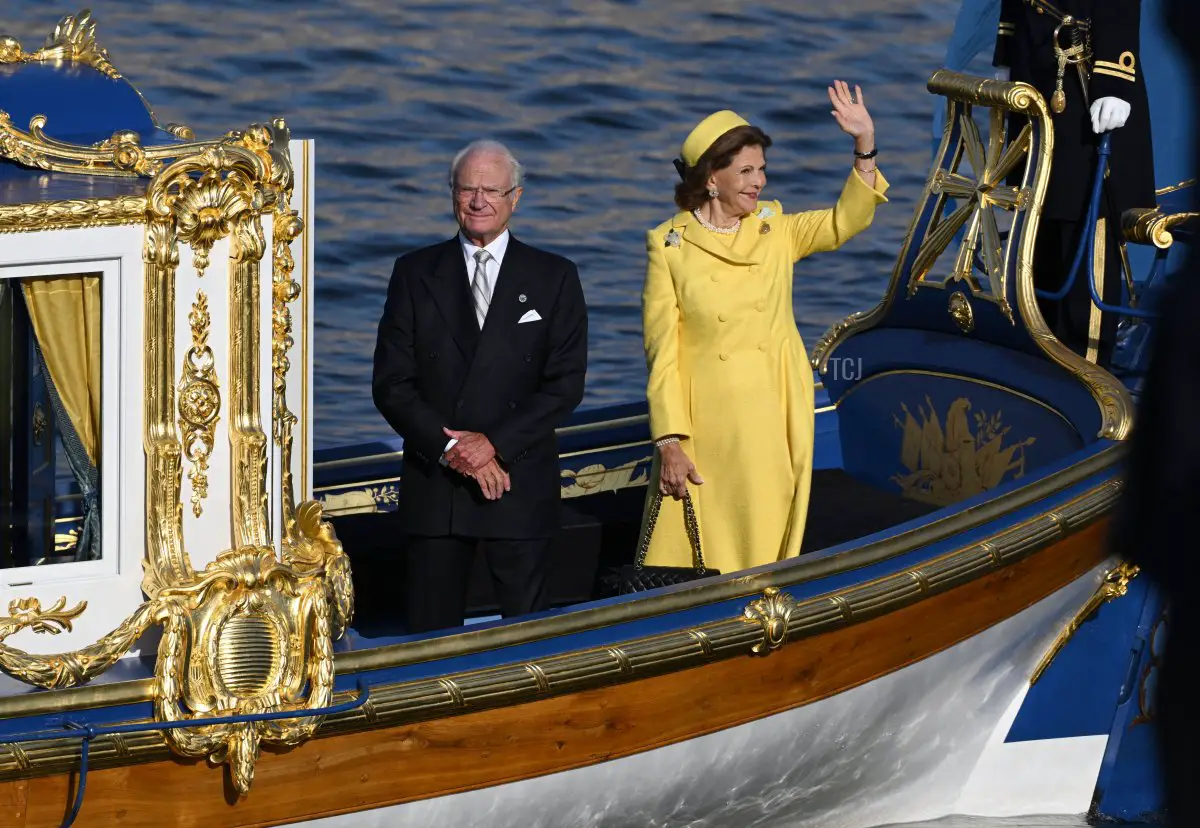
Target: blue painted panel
point(81, 105)
point(21, 185)
point(895, 349)
point(1077, 695)
point(1130, 785)
point(939, 439)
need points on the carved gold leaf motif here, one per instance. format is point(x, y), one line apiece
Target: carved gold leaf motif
point(27, 614)
point(772, 612)
point(73, 41)
point(199, 402)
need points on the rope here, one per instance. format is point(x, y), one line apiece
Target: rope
point(1087, 246)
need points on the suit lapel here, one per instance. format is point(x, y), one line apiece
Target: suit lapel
point(513, 282)
point(451, 293)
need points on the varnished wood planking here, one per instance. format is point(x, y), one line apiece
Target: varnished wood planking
point(12, 803)
point(362, 770)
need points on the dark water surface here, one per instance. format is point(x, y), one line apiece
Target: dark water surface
point(594, 96)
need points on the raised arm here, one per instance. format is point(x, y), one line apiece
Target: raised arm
point(815, 231)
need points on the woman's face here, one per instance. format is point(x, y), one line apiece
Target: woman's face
point(739, 184)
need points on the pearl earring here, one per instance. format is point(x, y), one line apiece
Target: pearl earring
point(713, 193)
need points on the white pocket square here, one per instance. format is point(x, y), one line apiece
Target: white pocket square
point(530, 316)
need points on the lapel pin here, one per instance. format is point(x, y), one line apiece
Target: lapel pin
point(672, 238)
point(522, 298)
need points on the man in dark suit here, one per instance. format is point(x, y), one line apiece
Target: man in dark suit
point(481, 354)
point(1113, 100)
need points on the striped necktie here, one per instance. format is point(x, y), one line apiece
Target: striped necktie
point(479, 286)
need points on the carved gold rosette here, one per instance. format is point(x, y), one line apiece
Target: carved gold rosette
point(253, 631)
point(199, 402)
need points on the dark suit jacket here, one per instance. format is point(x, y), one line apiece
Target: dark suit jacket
point(513, 382)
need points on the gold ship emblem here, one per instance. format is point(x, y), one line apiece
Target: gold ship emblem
point(946, 464)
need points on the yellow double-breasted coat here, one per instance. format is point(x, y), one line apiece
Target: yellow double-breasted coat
point(729, 374)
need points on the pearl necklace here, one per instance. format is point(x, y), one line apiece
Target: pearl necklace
point(709, 226)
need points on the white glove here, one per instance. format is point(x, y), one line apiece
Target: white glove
point(1003, 73)
point(1108, 114)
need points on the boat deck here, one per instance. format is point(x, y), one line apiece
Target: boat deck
point(599, 532)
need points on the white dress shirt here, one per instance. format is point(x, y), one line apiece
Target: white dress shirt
point(491, 270)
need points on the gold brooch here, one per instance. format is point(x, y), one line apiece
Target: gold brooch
point(764, 229)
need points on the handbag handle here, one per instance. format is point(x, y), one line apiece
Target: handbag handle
point(689, 522)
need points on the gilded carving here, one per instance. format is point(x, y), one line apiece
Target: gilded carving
point(1152, 227)
point(1115, 584)
point(60, 215)
point(772, 612)
point(981, 250)
point(199, 402)
point(944, 466)
point(27, 614)
point(284, 290)
point(72, 41)
point(961, 312)
point(121, 155)
point(251, 634)
point(205, 211)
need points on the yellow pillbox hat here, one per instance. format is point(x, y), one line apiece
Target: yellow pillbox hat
point(708, 131)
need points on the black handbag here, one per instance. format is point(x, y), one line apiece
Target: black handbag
point(637, 577)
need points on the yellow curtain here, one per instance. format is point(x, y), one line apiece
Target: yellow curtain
point(65, 311)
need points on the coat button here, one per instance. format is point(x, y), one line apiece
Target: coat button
point(512, 404)
point(724, 357)
point(722, 317)
point(458, 404)
point(760, 307)
point(762, 346)
point(433, 354)
point(529, 357)
point(715, 278)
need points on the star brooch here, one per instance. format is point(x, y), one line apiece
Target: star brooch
point(673, 238)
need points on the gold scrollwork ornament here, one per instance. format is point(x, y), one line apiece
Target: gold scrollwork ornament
point(199, 402)
point(772, 612)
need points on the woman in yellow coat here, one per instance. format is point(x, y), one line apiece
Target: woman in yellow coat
point(730, 386)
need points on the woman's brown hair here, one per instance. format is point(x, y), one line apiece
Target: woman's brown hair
point(692, 191)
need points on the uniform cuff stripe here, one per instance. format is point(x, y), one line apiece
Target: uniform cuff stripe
point(1116, 73)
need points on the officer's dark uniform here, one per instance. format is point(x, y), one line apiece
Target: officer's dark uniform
point(1025, 44)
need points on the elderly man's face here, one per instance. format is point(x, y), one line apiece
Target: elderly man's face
point(484, 198)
